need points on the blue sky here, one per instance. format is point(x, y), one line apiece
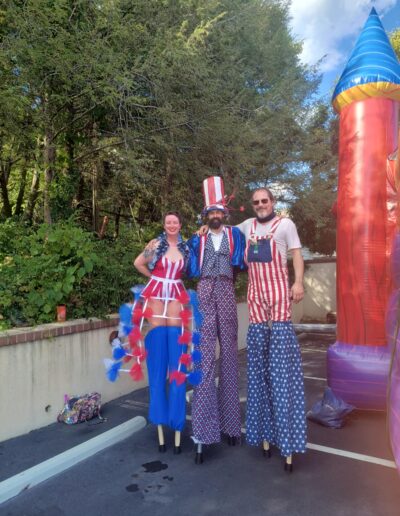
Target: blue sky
point(330, 28)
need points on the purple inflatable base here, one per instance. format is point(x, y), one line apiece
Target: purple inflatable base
point(394, 407)
point(358, 374)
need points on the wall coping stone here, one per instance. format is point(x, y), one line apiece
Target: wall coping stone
point(322, 259)
point(51, 330)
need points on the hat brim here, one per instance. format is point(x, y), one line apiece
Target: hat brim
point(215, 207)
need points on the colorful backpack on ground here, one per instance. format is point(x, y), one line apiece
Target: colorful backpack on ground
point(79, 409)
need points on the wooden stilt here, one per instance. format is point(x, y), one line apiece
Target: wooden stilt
point(266, 449)
point(161, 443)
point(288, 465)
point(177, 447)
point(199, 454)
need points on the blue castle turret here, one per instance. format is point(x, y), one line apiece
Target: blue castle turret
point(373, 69)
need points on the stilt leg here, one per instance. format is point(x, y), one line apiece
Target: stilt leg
point(266, 449)
point(199, 454)
point(161, 443)
point(288, 466)
point(177, 447)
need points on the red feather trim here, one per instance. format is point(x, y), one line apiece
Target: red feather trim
point(183, 298)
point(136, 372)
point(137, 314)
point(185, 338)
point(136, 351)
point(134, 336)
point(185, 315)
point(126, 358)
point(148, 313)
point(185, 359)
point(178, 376)
point(143, 355)
point(140, 353)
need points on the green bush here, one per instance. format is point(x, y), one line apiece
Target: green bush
point(43, 271)
point(46, 266)
point(64, 264)
point(103, 290)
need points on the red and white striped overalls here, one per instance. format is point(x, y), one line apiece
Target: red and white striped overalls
point(268, 293)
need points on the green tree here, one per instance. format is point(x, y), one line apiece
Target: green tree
point(61, 66)
point(395, 41)
point(317, 187)
point(141, 100)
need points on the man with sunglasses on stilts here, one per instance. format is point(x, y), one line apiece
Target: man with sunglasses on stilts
point(216, 410)
point(275, 400)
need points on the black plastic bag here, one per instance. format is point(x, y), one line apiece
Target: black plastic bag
point(331, 411)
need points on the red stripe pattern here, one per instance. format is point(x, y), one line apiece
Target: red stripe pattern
point(165, 269)
point(268, 293)
point(213, 191)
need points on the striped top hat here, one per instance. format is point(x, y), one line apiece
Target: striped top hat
point(214, 196)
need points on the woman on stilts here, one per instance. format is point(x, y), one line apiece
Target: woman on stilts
point(163, 261)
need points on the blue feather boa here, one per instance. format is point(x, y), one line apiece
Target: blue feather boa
point(162, 248)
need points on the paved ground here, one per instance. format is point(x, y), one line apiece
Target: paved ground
point(132, 478)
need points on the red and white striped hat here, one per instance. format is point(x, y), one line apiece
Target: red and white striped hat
point(214, 196)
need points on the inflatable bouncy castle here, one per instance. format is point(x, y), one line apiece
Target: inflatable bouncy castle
point(362, 365)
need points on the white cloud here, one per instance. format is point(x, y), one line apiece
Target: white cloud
point(323, 24)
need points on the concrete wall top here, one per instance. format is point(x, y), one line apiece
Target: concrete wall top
point(48, 331)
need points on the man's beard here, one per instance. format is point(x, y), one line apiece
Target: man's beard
point(215, 223)
point(269, 217)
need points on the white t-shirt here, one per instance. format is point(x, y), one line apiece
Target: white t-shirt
point(216, 239)
point(285, 235)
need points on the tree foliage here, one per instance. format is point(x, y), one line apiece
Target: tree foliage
point(121, 108)
point(64, 264)
point(316, 191)
point(124, 107)
point(395, 41)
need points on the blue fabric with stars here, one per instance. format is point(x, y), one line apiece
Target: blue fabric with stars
point(275, 398)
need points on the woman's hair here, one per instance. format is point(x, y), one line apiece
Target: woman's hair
point(175, 213)
point(264, 189)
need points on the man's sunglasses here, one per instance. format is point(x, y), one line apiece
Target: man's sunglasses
point(262, 201)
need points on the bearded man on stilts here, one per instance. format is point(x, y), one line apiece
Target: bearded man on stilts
point(216, 410)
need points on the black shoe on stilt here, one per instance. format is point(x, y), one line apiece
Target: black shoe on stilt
point(198, 458)
point(231, 440)
point(266, 449)
point(199, 453)
point(177, 450)
point(267, 453)
point(162, 448)
point(288, 466)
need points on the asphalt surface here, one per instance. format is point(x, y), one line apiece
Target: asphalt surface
point(133, 478)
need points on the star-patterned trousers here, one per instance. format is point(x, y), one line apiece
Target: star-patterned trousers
point(217, 410)
point(275, 398)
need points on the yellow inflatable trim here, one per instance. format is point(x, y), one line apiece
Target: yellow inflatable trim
point(387, 90)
